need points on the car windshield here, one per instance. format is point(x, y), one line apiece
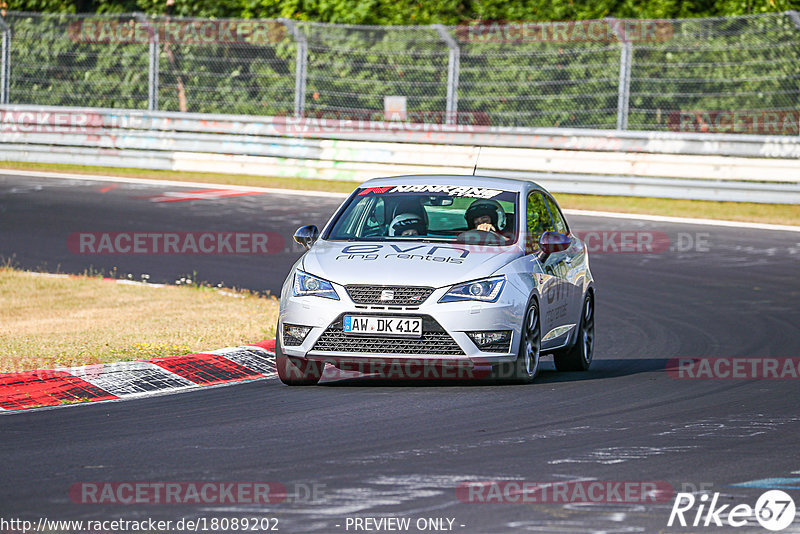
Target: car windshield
point(446, 213)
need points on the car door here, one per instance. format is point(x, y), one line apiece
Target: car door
point(554, 302)
point(574, 263)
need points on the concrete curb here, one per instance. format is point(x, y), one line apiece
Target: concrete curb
point(111, 381)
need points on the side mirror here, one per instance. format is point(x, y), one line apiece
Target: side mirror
point(552, 242)
point(306, 235)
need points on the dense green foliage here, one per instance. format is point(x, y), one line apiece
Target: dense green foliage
point(403, 12)
point(743, 63)
point(750, 63)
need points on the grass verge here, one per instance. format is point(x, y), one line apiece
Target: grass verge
point(731, 211)
point(703, 209)
point(303, 184)
point(51, 321)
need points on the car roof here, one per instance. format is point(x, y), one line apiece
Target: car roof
point(505, 184)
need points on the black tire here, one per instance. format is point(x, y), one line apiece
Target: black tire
point(579, 356)
point(525, 368)
point(297, 371)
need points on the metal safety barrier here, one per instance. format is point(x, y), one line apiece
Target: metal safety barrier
point(749, 168)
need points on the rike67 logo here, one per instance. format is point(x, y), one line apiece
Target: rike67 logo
point(774, 510)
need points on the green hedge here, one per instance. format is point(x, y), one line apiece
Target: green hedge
point(743, 63)
point(404, 12)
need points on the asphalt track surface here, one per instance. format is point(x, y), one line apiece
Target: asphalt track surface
point(377, 449)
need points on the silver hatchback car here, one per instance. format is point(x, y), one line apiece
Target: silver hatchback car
point(424, 272)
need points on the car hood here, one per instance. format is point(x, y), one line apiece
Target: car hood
point(413, 263)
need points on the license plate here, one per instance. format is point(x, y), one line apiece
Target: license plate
point(384, 326)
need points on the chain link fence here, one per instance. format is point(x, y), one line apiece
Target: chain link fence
point(688, 75)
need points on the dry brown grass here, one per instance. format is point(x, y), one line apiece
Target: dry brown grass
point(48, 322)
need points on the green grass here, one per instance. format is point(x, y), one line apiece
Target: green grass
point(732, 211)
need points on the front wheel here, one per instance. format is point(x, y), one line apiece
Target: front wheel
point(526, 366)
point(579, 356)
point(297, 371)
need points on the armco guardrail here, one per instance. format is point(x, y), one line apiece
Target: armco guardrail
point(605, 162)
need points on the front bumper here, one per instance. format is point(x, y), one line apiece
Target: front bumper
point(445, 327)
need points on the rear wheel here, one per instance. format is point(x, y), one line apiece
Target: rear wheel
point(296, 371)
point(579, 356)
point(526, 366)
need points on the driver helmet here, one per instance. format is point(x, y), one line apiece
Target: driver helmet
point(489, 207)
point(407, 221)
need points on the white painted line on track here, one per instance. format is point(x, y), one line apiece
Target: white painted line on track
point(172, 183)
point(276, 191)
point(683, 220)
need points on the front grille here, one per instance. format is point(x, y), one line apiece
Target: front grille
point(503, 347)
point(402, 295)
point(434, 341)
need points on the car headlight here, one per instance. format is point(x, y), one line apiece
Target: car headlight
point(484, 290)
point(309, 285)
